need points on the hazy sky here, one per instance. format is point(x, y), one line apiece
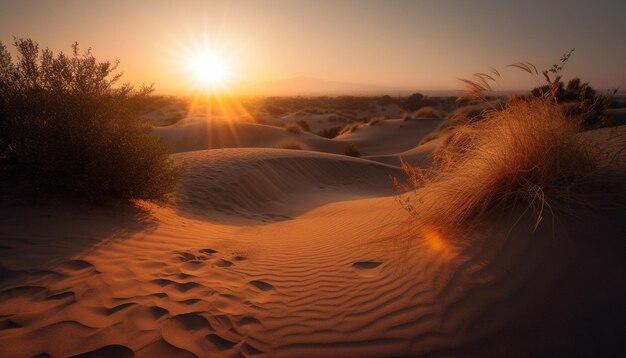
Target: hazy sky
point(409, 44)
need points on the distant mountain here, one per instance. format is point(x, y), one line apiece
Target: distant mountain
point(303, 85)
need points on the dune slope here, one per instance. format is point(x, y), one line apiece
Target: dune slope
point(274, 184)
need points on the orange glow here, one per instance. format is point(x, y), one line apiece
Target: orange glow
point(437, 243)
point(434, 240)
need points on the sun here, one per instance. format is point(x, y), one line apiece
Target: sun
point(209, 70)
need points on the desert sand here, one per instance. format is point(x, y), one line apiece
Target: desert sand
point(288, 253)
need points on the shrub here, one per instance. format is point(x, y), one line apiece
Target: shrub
point(580, 98)
point(65, 127)
point(413, 102)
point(351, 150)
point(529, 153)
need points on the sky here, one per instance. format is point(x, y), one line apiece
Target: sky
point(421, 45)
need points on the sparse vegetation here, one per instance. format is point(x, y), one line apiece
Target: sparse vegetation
point(352, 150)
point(413, 102)
point(529, 153)
point(64, 126)
point(426, 112)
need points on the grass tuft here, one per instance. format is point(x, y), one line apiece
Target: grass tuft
point(529, 154)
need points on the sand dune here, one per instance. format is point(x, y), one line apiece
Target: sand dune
point(274, 184)
point(387, 137)
point(289, 271)
point(390, 136)
point(199, 134)
point(420, 155)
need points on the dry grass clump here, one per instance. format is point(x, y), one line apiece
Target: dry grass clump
point(426, 112)
point(459, 117)
point(527, 154)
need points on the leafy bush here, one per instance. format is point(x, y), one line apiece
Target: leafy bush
point(64, 126)
point(351, 150)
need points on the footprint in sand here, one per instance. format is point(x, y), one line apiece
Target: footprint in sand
point(189, 257)
point(239, 256)
point(157, 311)
point(219, 342)
point(8, 324)
point(190, 322)
point(367, 268)
point(207, 251)
point(365, 265)
point(261, 285)
point(77, 265)
point(248, 320)
point(223, 263)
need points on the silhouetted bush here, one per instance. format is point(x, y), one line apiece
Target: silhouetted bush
point(352, 150)
point(65, 127)
point(413, 102)
point(581, 100)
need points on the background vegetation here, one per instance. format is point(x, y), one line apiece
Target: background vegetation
point(66, 126)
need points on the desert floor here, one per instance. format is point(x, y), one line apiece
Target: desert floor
point(302, 253)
